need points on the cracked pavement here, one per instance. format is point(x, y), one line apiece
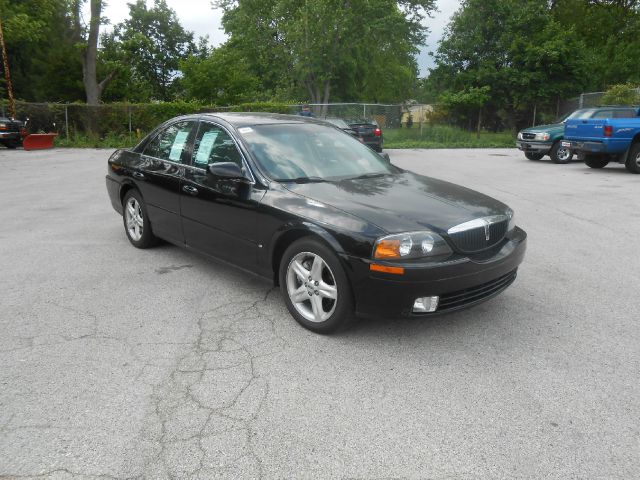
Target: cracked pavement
point(119, 363)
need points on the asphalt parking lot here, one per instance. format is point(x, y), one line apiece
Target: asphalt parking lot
point(121, 363)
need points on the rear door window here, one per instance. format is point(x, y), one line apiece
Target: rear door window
point(171, 143)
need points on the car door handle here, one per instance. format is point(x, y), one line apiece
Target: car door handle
point(139, 175)
point(190, 190)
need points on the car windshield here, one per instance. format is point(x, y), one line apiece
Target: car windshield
point(311, 152)
point(578, 114)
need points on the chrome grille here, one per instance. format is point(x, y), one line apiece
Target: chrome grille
point(528, 136)
point(479, 234)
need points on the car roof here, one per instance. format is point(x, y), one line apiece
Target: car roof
point(246, 119)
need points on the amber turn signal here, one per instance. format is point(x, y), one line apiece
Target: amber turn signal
point(386, 269)
point(388, 249)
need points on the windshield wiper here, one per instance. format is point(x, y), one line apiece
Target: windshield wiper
point(302, 180)
point(369, 175)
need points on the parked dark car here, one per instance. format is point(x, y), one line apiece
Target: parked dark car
point(369, 133)
point(338, 227)
point(342, 125)
point(11, 132)
point(536, 142)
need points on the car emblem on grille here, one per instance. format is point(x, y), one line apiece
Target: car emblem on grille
point(487, 232)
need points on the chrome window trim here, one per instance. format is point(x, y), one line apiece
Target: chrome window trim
point(477, 223)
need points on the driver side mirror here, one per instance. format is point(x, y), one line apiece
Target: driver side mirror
point(227, 170)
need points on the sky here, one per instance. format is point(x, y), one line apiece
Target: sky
point(199, 17)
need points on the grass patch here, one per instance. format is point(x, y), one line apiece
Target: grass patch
point(443, 136)
point(93, 141)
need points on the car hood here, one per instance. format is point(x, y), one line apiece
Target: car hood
point(551, 128)
point(403, 202)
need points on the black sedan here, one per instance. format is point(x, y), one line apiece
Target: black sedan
point(369, 133)
point(339, 228)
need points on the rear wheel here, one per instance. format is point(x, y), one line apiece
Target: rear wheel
point(10, 144)
point(596, 161)
point(315, 287)
point(136, 221)
point(560, 154)
point(633, 160)
point(534, 155)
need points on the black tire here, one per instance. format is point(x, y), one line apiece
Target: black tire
point(11, 145)
point(146, 238)
point(534, 155)
point(331, 274)
point(596, 161)
point(560, 154)
point(633, 160)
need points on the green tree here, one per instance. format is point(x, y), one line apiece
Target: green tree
point(220, 78)
point(466, 102)
point(153, 43)
point(623, 94)
point(42, 55)
point(610, 30)
point(339, 48)
point(515, 47)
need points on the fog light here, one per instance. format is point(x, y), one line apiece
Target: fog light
point(425, 304)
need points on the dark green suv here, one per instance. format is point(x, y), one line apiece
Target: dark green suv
point(536, 142)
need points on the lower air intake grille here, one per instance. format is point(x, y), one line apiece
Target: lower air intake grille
point(464, 297)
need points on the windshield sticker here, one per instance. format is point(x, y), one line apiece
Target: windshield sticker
point(244, 130)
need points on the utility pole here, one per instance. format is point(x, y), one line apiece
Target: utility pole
point(7, 74)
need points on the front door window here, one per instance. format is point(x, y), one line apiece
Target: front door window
point(214, 145)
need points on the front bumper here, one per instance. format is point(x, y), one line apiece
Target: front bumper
point(460, 283)
point(10, 136)
point(531, 146)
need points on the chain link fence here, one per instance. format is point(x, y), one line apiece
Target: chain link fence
point(135, 120)
point(585, 100)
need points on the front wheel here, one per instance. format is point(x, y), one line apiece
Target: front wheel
point(595, 161)
point(315, 286)
point(136, 221)
point(534, 155)
point(560, 154)
point(633, 160)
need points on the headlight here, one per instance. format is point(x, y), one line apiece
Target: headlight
point(410, 245)
point(544, 136)
point(520, 136)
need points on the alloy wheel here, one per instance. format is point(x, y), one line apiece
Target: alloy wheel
point(563, 154)
point(134, 220)
point(312, 287)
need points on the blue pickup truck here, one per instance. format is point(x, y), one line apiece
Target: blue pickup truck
point(603, 140)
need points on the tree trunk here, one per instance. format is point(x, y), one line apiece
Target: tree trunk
point(92, 87)
point(90, 56)
point(479, 122)
point(325, 98)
